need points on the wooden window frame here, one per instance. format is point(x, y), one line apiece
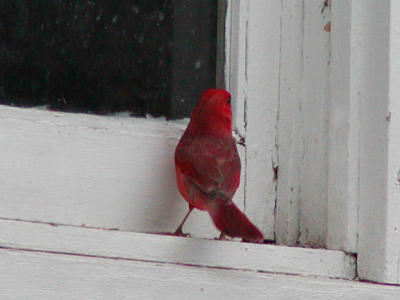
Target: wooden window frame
point(316, 84)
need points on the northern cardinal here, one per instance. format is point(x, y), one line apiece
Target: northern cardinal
point(207, 166)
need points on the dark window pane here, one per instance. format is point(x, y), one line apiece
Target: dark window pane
point(194, 52)
point(106, 56)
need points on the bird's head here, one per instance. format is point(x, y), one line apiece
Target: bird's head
point(214, 103)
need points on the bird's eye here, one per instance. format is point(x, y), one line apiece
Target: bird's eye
point(229, 101)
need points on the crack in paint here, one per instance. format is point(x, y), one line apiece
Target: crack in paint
point(245, 106)
point(398, 269)
point(62, 224)
point(275, 152)
point(245, 157)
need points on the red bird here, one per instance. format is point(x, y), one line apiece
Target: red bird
point(207, 166)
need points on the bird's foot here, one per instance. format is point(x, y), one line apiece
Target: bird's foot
point(179, 232)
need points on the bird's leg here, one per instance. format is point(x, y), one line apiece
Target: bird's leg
point(178, 231)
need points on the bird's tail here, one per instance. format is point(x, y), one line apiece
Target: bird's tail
point(232, 222)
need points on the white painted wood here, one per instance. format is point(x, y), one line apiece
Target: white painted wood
point(376, 38)
point(302, 128)
point(292, 75)
point(343, 132)
point(289, 124)
point(392, 251)
point(253, 58)
point(314, 107)
point(235, 66)
point(33, 275)
point(262, 72)
point(99, 171)
point(235, 80)
point(171, 249)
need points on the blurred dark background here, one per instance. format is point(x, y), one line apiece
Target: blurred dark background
point(107, 56)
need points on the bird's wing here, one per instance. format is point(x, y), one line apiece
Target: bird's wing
point(213, 166)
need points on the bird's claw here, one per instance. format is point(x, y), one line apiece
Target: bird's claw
point(179, 232)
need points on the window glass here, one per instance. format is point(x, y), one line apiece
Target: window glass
point(107, 56)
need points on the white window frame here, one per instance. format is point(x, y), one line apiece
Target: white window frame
point(308, 76)
point(285, 61)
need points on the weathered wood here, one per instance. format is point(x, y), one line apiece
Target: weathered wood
point(289, 134)
point(171, 249)
point(253, 61)
point(262, 75)
point(343, 132)
point(302, 124)
point(235, 66)
point(314, 107)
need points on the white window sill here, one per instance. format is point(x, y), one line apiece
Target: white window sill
point(125, 245)
point(47, 261)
